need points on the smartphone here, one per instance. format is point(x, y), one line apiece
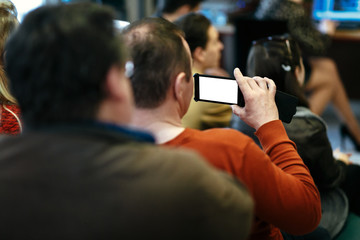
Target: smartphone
point(225, 90)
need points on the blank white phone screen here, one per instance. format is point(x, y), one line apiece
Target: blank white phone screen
point(219, 90)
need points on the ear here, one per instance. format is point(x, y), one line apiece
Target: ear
point(298, 75)
point(199, 54)
point(183, 91)
point(297, 72)
point(117, 106)
point(113, 83)
point(181, 87)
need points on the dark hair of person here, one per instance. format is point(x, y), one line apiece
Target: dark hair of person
point(8, 22)
point(158, 53)
point(58, 59)
point(276, 57)
point(195, 27)
point(170, 6)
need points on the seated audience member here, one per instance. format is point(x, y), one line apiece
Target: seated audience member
point(171, 10)
point(78, 171)
point(205, 47)
point(284, 193)
point(279, 58)
point(9, 111)
point(323, 82)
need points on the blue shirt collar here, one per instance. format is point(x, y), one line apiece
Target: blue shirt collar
point(136, 134)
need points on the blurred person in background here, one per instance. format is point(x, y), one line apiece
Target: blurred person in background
point(279, 57)
point(205, 47)
point(10, 122)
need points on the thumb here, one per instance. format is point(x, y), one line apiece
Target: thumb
point(237, 110)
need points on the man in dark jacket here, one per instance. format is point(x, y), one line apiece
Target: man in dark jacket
point(78, 171)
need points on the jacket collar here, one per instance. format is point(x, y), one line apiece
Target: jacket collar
point(97, 129)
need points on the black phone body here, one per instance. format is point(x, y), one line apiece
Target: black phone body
point(225, 90)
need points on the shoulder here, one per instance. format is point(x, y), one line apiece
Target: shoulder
point(164, 160)
point(217, 145)
point(310, 119)
point(306, 124)
point(13, 107)
point(218, 136)
point(8, 109)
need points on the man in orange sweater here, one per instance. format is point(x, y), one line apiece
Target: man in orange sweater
point(285, 195)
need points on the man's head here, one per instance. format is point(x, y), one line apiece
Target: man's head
point(59, 62)
point(161, 58)
point(173, 9)
point(203, 39)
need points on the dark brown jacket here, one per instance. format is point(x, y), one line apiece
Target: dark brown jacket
point(100, 183)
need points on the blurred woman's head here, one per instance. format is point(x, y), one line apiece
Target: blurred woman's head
point(8, 22)
point(279, 58)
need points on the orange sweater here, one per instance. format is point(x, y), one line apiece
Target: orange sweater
point(285, 195)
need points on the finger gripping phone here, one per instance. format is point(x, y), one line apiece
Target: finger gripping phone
point(225, 90)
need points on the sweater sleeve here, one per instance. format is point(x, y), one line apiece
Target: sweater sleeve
point(284, 191)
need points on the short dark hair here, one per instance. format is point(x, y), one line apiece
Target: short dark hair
point(276, 57)
point(158, 53)
point(58, 59)
point(195, 27)
point(170, 6)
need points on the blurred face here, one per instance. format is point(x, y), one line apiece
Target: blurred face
point(212, 51)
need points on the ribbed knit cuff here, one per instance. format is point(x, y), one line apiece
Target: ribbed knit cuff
point(271, 134)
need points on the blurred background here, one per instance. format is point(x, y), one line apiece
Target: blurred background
point(130, 10)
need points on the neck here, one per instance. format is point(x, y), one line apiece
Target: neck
point(171, 17)
point(163, 124)
point(198, 67)
point(181, 11)
point(109, 112)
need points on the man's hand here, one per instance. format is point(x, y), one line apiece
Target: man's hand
point(259, 96)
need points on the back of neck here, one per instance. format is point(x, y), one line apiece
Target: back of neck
point(163, 126)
